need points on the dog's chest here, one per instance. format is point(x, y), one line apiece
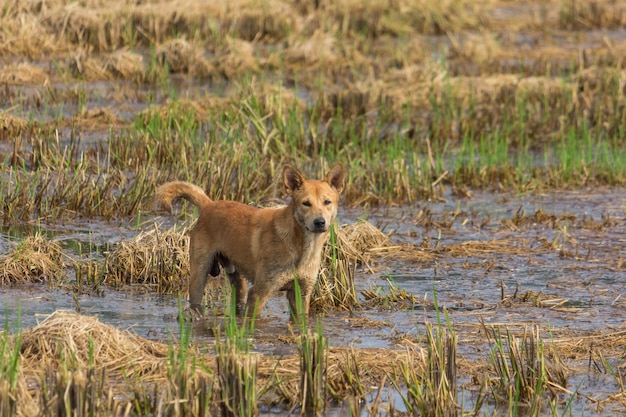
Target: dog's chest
point(311, 256)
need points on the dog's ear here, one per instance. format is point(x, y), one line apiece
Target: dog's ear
point(335, 177)
point(292, 179)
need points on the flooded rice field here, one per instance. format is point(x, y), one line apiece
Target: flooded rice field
point(479, 264)
point(554, 262)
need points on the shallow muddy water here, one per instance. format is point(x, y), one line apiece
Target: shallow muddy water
point(555, 261)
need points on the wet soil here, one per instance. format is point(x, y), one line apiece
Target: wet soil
point(554, 260)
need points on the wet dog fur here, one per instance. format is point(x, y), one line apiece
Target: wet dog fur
point(270, 247)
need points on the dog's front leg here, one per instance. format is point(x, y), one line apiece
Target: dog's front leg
point(306, 290)
point(257, 298)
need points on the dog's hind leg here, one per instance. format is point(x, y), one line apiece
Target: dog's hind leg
point(201, 263)
point(238, 283)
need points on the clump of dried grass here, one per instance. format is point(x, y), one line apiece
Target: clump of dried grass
point(182, 56)
point(96, 118)
point(347, 247)
point(121, 64)
point(599, 14)
point(83, 341)
point(21, 33)
point(250, 20)
point(376, 18)
point(237, 57)
point(124, 64)
point(82, 65)
point(101, 28)
point(22, 74)
point(359, 241)
point(426, 253)
point(476, 48)
point(11, 126)
point(34, 259)
point(319, 49)
point(477, 248)
point(155, 258)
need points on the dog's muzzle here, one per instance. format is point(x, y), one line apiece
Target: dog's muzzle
point(319, 225)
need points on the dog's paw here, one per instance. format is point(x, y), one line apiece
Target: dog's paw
point(191, 314)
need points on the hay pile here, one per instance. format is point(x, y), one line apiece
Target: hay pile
point(34, 259)
point(156, 258)
point(11, 126)
point(83, 341)
point(184, 57)
point(471, 248)
point(94, 118)
point(120, 64)
point(358, 241)
point(22, 74)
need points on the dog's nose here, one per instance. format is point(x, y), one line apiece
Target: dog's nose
point(319, 223)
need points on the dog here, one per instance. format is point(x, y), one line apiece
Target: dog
point(270, 247)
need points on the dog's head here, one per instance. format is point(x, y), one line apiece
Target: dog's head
point(315, 201)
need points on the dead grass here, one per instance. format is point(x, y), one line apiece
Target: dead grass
point(83, 341)
point(34, 259)
point(598, 14)
point(156, 258)
point(182, 56)
point(66, 340)
point(235, 58)
point(11, 126)
point(124, 64)
point(428, 253)
point(97, 119)
point(359, 241)
point(22, 74)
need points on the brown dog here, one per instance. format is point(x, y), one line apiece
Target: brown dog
point(270, 247)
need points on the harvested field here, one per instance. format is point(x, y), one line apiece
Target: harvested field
point(482, 224)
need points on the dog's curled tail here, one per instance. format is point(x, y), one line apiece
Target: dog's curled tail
point(170, 191)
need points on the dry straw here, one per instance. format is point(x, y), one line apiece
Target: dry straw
point(124, 64)
point(183, 56)
point(34, 259)
point(84, 341)
point(69, 341)
point(22, 74)
point(359, 241)
point(11, 126)
point(156, 258)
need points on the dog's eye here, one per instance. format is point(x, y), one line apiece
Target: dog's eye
point(306, 203)
point(327, 202)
